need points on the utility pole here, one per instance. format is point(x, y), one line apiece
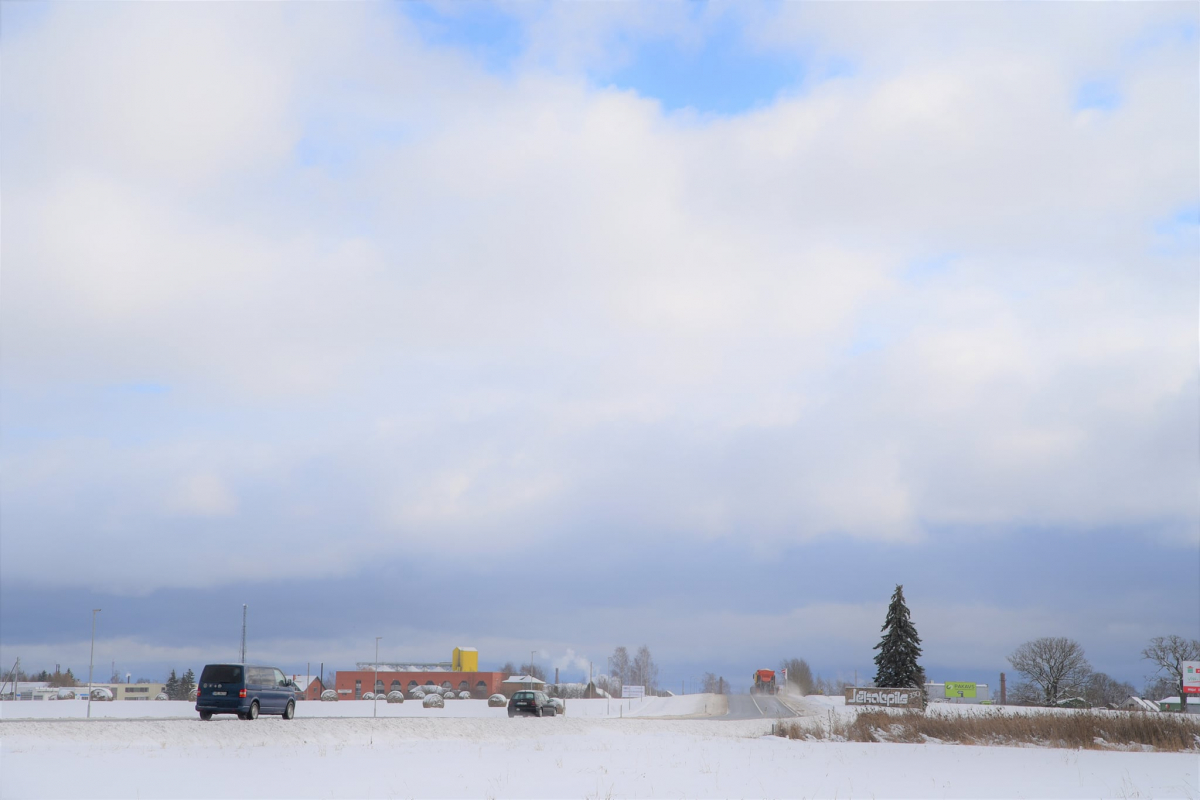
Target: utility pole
point(243, 633)
point(91, 661)
point(375, 688)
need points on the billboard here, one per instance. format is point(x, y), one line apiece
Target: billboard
point(1191, 677)
point(633, 691)
point(893, 698)
point(960, 689)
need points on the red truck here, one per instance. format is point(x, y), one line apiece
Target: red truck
point(764, 682)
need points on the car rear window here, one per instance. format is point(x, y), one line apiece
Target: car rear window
point(221, 673)
point(523, 696)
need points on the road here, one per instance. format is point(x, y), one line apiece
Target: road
point(757, 706)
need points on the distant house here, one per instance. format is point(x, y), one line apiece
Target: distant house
point(1172, 704)
point(1138, 704)
point(517, 682)
point(310, 687)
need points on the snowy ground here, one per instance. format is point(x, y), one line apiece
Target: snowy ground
point(468, 750)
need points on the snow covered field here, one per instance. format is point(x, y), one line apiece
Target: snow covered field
point(468, 750)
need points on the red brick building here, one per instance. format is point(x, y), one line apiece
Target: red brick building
point(353, 684)
point(310, 687)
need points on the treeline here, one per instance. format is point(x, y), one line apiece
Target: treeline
point(800, 675)
point(623, 670)
point(181, 688)
point(68, 679)
point(1056, 672)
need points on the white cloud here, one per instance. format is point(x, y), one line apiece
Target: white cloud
point(503, 306)
point(202, 494)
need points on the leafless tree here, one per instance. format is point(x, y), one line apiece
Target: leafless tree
point(713, 684)
point(1055, 664)
point(534, 670)
point(644, 670)
point(619, 666)
point(1103, 690)
point(1158, 688)
point(799, 674)
point(1169, 653)
point(1024, 693)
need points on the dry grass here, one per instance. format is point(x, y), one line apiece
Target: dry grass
point(1088, 730)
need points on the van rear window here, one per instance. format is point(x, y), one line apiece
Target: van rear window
point(221, 673)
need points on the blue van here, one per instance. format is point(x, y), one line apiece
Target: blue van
point(246, 690)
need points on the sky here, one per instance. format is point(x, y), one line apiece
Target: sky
point(548, 327)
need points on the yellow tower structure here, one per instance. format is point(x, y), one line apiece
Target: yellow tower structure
point(465, 659)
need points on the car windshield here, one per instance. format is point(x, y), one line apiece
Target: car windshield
point(221, 673)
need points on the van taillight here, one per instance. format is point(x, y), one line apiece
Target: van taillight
point(242, 693)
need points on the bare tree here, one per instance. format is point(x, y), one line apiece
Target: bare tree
point(799, 674)
point(1056, 664)
point(1103, 690)
point(534, 670)
point(1158, 688)
point(509, 669)
point(619, 666)
point(1024, 693)
point(644, 670)
point(1169, 653)
point(712, 684)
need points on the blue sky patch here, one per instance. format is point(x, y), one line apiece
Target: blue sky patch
point(1097, 94)
point(721, 76)
point(923, 270)
point(494, 38)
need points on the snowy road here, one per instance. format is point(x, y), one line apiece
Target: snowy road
point(757, 706)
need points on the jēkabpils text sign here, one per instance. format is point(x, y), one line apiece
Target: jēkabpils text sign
point(892, 698)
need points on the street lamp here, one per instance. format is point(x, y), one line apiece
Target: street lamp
point(92, 661)
point(375, 688)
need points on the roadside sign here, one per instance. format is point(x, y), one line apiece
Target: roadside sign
point(1191, 677)
point(960, 689)
point(633, 691)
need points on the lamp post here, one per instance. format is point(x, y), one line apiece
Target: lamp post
point(92, 661)
point(375, 688)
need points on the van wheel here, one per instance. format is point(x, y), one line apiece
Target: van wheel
point(290, 711)
point(253, 712)
point(206, 715)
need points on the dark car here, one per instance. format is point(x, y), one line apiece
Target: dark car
point(246, 690)
point(527, 702)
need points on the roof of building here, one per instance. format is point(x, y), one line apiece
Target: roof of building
point(304, 682)
point(1175, 700)
point(526, 679)
point(1139, 704)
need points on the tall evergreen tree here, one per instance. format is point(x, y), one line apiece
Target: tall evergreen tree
point(187, 685)
point(172, 687)
point(899, 649)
